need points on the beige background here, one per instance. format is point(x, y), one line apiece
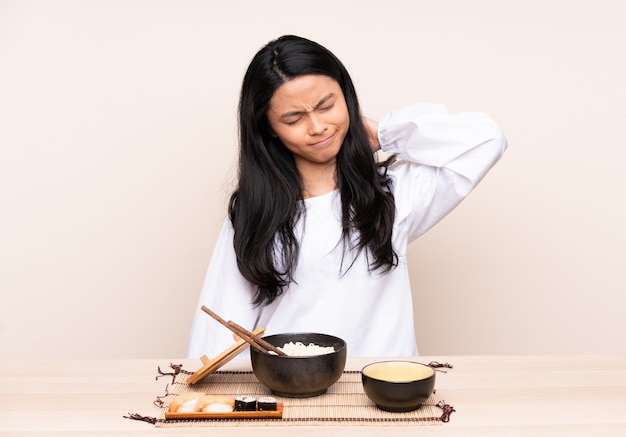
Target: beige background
point(118, 144)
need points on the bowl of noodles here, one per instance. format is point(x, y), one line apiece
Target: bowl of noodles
point(313, 363)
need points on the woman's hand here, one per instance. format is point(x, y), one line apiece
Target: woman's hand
point(371, 126)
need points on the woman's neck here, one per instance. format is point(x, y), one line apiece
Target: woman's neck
point(318, 180)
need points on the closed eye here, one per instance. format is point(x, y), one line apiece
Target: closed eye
point(322, 105)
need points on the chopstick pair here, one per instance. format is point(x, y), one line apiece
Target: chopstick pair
point(250, 337)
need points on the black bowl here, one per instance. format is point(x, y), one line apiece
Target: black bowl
point(300, 377)
point(398, 385)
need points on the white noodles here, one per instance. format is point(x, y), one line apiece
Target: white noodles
point(299, 349)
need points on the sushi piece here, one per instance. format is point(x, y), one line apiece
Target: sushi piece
point(185, 403)
point(216, 403)
point(267, 403)
point(245, 403)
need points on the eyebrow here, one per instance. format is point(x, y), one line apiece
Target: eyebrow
point(320, 103)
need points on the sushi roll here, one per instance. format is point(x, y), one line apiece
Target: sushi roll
point(245, 403)
point(267, 403)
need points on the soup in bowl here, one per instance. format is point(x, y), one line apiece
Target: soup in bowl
point(398, 385)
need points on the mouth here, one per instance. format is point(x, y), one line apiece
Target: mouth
point(324, 142)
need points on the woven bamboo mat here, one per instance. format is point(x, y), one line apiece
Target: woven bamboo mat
point(344, 403)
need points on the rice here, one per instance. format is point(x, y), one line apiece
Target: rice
point(299, 349)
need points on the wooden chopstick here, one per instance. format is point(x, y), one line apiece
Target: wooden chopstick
point(245, 334)
point(252, 339)
point(248, 340)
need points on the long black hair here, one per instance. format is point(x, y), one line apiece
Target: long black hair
point(266, 204)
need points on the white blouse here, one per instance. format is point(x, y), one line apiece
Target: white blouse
point(443, 156)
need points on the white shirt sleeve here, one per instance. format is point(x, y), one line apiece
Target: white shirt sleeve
point(227, 293)
point(444, 156)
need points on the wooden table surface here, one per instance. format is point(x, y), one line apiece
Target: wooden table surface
point(492, 396)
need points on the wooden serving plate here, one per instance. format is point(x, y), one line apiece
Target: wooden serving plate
point(278, 414)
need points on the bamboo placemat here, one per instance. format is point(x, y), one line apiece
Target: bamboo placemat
point(344, 403)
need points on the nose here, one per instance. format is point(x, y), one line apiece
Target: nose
point(317, 125)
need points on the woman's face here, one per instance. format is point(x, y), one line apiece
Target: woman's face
point(310, 116)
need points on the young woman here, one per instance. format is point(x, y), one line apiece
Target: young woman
point(317, 233)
